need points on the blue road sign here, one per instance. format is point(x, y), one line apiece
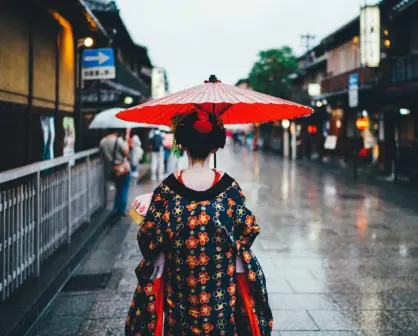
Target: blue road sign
point(98, 64)
point(353, 80)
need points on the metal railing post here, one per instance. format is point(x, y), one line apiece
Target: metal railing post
point(88, 190)
point(3, 247)
point(38, 224)
point(69, 203)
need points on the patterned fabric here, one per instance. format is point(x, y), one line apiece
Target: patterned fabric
point(201, 240)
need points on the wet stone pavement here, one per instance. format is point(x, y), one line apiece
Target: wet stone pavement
point(339, 259)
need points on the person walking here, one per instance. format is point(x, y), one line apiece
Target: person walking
point(198, 275)
point(115, 152)
point(250, 137)
point(157, 155)
point(168, 157)
point(136, 154)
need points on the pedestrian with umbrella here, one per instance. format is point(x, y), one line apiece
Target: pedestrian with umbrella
point(198, 268)
point(116, 154)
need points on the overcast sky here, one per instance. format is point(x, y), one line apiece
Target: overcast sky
point(192, 39)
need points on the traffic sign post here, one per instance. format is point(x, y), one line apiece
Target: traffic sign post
point(98, 64)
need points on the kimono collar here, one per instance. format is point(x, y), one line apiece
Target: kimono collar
point(175, 185)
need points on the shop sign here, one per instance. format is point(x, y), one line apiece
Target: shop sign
point(370, 36)
point(330, 142)
point(362, 123)
point(353, 90)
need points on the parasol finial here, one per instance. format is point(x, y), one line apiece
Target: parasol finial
point(212, 79)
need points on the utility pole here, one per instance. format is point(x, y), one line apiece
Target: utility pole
point(306, 40)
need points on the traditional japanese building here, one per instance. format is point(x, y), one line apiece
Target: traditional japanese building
point(306, 89)
point(398, 98)
point(133, 81)
point(39, 42)
point(363, 83)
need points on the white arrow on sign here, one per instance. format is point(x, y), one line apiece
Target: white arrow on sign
point(101, 58)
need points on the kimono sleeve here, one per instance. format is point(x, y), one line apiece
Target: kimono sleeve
point(246, 228)
point(152, 233)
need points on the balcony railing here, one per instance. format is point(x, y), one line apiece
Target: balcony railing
point(41, 206)
point(339, 82)
point(405, 69)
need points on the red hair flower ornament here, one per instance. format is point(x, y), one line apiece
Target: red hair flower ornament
point(202, 125)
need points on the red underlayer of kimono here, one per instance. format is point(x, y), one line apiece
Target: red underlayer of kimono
point(199, 292)
point(159, 305)
point(243, 291)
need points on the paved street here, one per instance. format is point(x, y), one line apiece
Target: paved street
point(340, 260)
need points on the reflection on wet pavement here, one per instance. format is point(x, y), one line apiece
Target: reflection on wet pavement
point(339, 259)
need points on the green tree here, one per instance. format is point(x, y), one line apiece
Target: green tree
point(270, 74)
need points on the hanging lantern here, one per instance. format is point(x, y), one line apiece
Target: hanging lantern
point(362, 123)
point(312, 129)
point(285, 123)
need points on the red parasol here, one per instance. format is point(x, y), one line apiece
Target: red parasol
point(232, 104)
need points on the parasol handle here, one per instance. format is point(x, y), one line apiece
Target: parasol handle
point(214, 112)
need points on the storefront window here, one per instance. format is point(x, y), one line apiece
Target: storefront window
point(406, 129)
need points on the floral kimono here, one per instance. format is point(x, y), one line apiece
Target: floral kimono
point(201, 234)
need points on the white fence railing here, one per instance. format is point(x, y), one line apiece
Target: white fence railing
point(41, 206)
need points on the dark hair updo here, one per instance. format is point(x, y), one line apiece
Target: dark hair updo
point(199, 133)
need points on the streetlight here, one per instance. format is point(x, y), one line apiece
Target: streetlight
point(85, 42)
point(88, 42)
point(128, 100)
